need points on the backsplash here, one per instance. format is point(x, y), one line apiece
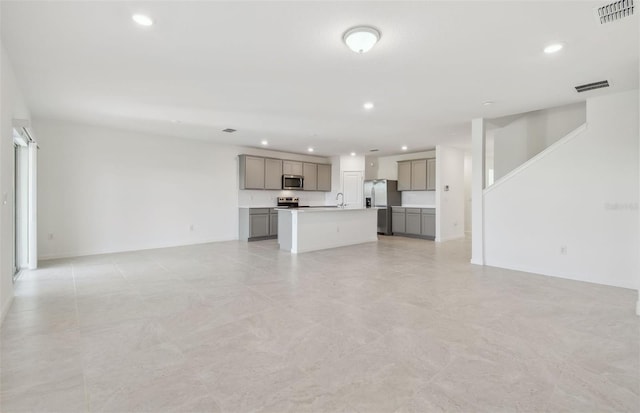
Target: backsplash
point(418, 197)
point(258, 198)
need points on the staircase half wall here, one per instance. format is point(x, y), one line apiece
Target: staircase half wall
point(572, 211)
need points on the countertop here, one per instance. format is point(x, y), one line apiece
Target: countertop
point(413, 206)
point(323, 209)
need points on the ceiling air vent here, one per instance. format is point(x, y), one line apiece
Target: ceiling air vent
point(374, 150)
point(591, 86)
point(228, 130)
point(612, 12)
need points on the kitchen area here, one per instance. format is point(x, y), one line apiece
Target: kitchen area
point(301, 201)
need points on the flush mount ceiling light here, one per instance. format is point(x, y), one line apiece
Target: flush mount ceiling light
point(353, 154)
point(404, 148)
point(142, 19)
point(310, 149)
point(368, 105)
point(553, 48)
point(361, 39)
point(264, 143)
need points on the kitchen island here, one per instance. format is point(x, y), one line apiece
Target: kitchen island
point(311, 229)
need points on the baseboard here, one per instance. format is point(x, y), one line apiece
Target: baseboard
point(131, 249)
point(450, 238)
point(5, 308)
point(538, 271)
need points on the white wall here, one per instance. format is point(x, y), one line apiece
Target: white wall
point(12, 106)
point(582, 194)
point(102, 190)
point(449, 203)
point(531, 133)
point(467, 193)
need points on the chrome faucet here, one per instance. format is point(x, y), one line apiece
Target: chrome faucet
point(341, 204)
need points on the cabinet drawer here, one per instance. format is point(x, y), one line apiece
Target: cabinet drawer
point(413, 210)
point(429, 211)
point(398, 209)
point(256, 211)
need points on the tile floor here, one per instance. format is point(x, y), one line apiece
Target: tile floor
point(403, 325)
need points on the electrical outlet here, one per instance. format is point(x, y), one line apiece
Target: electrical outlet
point(563, 250)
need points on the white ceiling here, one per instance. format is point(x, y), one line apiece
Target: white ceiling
point(279, 70)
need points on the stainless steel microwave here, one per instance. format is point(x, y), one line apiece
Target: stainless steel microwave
point(292, 181)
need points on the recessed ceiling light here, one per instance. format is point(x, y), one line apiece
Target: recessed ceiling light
point(176, 121)
point(368, 105)
point(228, 130)
point(353, 154)
point(361, 39)
point(310, 149)
point(487, 103)
point(553, 48)
point(142, 20)
point(264, 142)
point(404, 148)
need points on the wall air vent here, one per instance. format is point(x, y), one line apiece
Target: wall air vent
point(228, 130)
point(592, 86)
point(612, 12)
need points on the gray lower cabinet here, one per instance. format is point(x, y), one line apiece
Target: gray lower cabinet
point(429, 223)
point(273, 223)
point(258, 223)
point(413, 225)
point(398, 221)
point(414, 222)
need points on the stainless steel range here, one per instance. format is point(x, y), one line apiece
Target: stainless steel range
point(288, 201)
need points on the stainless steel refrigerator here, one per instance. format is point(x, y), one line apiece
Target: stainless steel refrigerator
point(382, 194)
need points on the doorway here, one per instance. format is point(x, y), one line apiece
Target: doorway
point(21, 202)
point(352, 188)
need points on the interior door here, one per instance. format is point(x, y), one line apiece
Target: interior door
point(352, 188)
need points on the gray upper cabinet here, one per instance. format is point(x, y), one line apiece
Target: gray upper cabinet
point(292, 168)
point(324, 177)
point(257, 172)
point(251, 172)
point(310, 173)
point(404, 176)
point(272, 173)
point(431, 174)
point(419, 175)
